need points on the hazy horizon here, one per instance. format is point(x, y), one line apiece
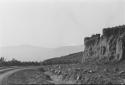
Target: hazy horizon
point(56, 23)
point(28, 45)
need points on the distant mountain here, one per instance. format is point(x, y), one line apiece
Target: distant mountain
point(23, 52)
point(34, 53)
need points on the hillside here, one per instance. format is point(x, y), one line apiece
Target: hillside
point(74, 58)
point(106, 48)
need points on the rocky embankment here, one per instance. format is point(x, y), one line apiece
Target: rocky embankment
point(70, 74)
point(106, 48)
point(87, 74)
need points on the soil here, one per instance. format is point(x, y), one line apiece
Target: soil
point(72, 74)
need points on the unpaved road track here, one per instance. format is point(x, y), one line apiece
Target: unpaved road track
point(5, 73)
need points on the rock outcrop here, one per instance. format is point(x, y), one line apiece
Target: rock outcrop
point(108, 47)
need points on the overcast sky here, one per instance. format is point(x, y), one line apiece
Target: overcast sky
point(54, 23)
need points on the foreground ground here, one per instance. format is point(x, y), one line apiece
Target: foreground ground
point(70, 74)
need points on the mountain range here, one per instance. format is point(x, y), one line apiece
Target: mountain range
point(34, 53)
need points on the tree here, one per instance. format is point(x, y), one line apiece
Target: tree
point(2, 61)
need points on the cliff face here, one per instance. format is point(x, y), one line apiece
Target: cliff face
point(108, 47)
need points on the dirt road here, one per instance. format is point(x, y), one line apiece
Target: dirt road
point(4, 73)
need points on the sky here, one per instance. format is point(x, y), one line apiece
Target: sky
point(55, 23)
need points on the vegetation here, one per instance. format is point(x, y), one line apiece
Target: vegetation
point(15, 62)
